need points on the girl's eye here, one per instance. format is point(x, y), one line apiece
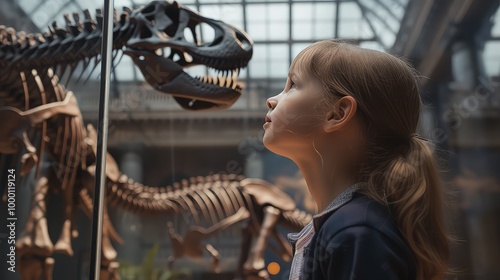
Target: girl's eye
point(292, 84)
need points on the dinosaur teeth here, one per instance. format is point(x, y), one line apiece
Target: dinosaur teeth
point(222, 81)
point(229, 81)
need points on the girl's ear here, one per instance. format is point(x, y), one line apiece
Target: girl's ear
point(341, 114)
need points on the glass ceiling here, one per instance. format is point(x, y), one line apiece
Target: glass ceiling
point(280, 29)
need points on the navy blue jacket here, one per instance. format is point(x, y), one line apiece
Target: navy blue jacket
point(358, 241)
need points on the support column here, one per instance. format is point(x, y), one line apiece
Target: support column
point(474, 126)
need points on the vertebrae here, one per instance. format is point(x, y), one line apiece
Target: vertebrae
point(206, 199)
point(79, 40)
point(214, 197)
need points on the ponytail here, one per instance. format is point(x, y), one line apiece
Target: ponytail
point(411, 187)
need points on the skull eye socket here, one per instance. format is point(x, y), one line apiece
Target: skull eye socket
point(208, 33)
point(201, 34)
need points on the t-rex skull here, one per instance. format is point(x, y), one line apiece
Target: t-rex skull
point(161, 25)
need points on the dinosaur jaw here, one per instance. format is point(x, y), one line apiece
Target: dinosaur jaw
point(221, 72)
point(193, 93)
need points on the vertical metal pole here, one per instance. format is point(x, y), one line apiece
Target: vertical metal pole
point(102, 140)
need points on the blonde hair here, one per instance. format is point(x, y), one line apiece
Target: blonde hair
point(399, 166)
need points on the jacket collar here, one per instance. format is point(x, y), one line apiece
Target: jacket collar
point(339, 201)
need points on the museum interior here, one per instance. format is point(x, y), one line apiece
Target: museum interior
point(454, 45)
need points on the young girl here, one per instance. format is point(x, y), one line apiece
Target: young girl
point(347, 117)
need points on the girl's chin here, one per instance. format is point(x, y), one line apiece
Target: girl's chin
point(274, 147)
point(268, 143)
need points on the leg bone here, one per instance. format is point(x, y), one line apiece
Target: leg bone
point(35, 239)
point(255, 263)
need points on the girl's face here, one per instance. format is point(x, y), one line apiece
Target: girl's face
point(295, 115)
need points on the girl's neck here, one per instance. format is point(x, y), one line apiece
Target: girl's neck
point(326, 179)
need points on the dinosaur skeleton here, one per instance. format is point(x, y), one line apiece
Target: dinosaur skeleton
point(36, 108)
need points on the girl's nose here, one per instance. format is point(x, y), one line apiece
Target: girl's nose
point(271, 103)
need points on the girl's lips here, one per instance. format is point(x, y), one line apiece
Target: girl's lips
point(268, 120)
